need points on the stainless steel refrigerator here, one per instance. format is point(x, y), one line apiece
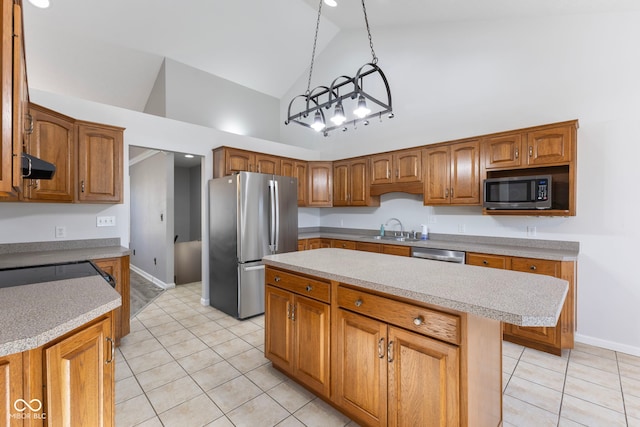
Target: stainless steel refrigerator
point(250, 215)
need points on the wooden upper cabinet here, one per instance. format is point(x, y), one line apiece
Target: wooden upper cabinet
point(52, 140)
point(287, 167)
point(300, 172)
point(320, 177)
point(351, 183)
point(503, 151)
point(99, 163)
point(549, 146)
point(265, 163)
point(452, 174)
point(238, 161)
point(396, 167)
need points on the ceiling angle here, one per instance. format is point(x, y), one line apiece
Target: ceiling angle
point(351, 102)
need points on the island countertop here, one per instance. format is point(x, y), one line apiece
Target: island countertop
point(522, 299)
point(32, 315)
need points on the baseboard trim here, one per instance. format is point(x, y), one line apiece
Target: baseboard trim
point(152, 278)
point(610, 345)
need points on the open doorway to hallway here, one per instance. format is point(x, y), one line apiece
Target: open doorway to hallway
point(166, 204)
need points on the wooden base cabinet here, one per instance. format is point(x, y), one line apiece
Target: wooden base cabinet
point(10, 389)
point(119, 269)
point(297, 328)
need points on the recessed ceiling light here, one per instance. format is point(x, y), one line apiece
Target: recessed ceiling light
point(331, 3)
point(189, 156)
point(42, 4)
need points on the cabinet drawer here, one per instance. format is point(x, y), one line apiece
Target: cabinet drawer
point(343, 244)
point(538, 266)
point(443, 326)
point(311, 288)
point(484, 260)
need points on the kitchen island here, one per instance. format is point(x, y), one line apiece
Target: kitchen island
point(391, 340)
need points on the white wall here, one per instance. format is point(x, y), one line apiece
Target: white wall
point(456, 80)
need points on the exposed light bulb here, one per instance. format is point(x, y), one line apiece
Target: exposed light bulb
point(318, 123)
point(338, 115)
point(331, 3)
point(42, 4)
point(362, 109)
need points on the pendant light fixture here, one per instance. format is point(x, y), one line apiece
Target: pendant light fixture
point(344, 94)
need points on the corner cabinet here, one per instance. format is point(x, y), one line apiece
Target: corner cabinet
point(549, 339)
point(452, 174)
point(297, 327)
point(99, 163)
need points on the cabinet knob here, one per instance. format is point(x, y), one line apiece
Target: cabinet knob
point(358, 302)
point(485, 262)
point(418, 321)
point(533, 268)
point(309, 288)
point(82, 185)
point(276, 279)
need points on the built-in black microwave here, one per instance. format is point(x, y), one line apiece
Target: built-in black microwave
point(525, 192)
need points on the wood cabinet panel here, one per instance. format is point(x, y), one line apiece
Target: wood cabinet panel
point(317, 243)
point(238, 161)
point(320, 189)
point(351, 183)
point(493, 261)
point(119, 269)
point(278, 345)
point(401, 166)
point(11, 388)
point(452, 174)
point(503, 151)
point(396, 250)
point(341, 183)
point(79, 378)
point(300, 173)
point(549, 146)
point(368, 247)
point(381, 167)
point(52, 140)
point(343, 244)
point(6, 98)
point(20, 94)
point(437, 179)
point(99, 163)
point(265, 163)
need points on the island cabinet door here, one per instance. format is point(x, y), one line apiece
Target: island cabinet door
point(278, 345)
point(423, 381)
point(361, 368)
point(79, 375)
point(10, 388)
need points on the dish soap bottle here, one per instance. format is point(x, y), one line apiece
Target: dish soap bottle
point(425, 232)
point(382, 230)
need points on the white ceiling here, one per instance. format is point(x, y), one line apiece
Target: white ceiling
point(111, 51)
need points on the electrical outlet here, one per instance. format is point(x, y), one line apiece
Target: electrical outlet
point(531, 231)
point(61, 232)
point(105, 221)
point(433, 219)
point(462, 228)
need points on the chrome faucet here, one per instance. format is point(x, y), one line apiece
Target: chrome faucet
point(399, 223)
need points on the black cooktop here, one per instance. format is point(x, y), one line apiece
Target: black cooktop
point(50, 273)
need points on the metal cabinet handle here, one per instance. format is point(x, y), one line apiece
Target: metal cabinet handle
point(113, 350)
point(446, 193)
point(517, 153)
point(390, 352)
point(288, 310)
point(418, 321)
point(397, 173)
point(358, 302)
point(381, 348)
point(29, 129)
point(309, 288)
point(530, 151)
point(82, 186)
point(452, 192)
point(485, 262)
point(293, 312)
point(276, 279)
point(533, 268)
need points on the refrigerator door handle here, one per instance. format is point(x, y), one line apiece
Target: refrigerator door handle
point(257, 267)
point(272, 222)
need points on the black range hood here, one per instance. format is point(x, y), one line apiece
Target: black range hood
point(35, 168)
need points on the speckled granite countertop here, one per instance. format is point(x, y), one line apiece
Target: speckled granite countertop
point(522, 299)
point(39, 253)
point(33, 315)
point(527, 248)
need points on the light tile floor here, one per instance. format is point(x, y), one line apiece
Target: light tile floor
point(188, 365)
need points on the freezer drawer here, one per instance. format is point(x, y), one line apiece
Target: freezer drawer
point(250, 289)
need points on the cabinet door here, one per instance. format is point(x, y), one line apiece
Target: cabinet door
point(502, 151)
point(423, 381)
point(278, 343)
point(358, 183)
point(6, 98)
point(302, 244)
point(79, 374)
point(368, 247)
point(267, 164)
point(465, 173)
point(408, 166)
point(361, 367)
point(99, 163)
point(119, 269)
point(396, 250)
point(549, 146)
point(311, 344)
point(340, 183)
point(300, 172)
point(436, 186)
point(238, 161)
point(287, 167)
point(320, 184)
point(52, 140)
point(381, 166)
point(317, 243)
point(11, 388)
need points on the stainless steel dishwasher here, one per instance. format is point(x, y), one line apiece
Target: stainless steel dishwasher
point(457, 257)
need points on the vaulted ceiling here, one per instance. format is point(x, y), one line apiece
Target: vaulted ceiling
point(111, 51)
